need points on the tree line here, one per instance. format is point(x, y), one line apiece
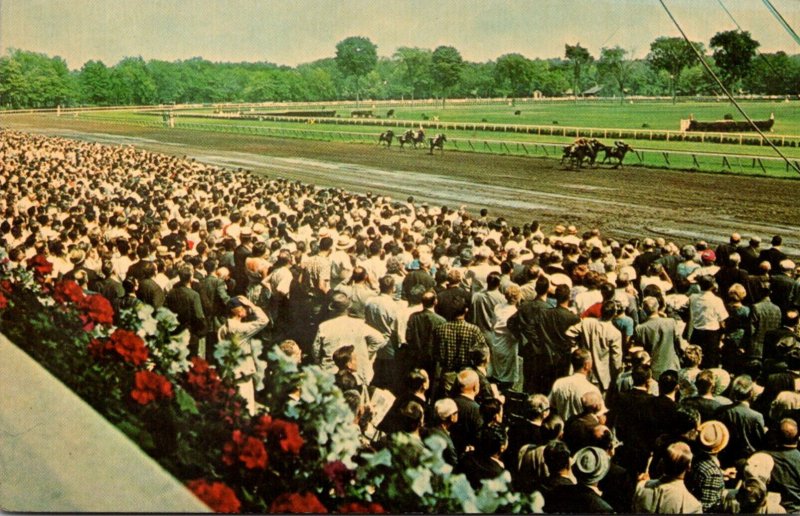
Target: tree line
point(35, 80)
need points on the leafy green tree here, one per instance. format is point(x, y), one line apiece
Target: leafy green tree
point(476, 80)
point(579, 58)
point(131, 83)
point(95, 82)
point(614, 68)
point(12, 83)
point(774, 74)
point(733, 53)
point(39, 81)
point(672, 55)
point(414, 67)
point(446, 66)
point(356, 56)
point(319, 82)
point(516, 72)
point(550, 77)
point(167, 78)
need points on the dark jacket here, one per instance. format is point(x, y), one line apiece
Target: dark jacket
point(186, 304)
point(151, 293)
point(465, 431)
point(747, 433)
point(576, 498)
point(477, 467)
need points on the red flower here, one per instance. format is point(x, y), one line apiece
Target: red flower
point(218, 496)
point(41, 267)
point(6, 286)
point(298, 503)
point(253, 454)
point(3, 301)
point(288, 434)
point(68, 290)
point(129, 346)
point(262, 426)
point(98, 348)
point(339, 474)
point(97, 309)
point(203, 380)
point(247, 449)
point(361, 508)
point(150, 386)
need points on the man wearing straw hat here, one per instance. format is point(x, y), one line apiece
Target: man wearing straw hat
point(706, 480)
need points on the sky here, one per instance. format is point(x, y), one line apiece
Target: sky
point(292, 32)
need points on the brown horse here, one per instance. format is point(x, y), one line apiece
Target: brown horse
point(437, 141)
point(387, 137)
point(411, 137)
point(617, 152)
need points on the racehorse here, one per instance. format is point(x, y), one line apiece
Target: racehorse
point(387, 137)
point(582, 150)
point(412, 137)
point(617, 152)
point(437, 141)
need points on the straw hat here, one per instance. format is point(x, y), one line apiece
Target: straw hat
point(713, 436)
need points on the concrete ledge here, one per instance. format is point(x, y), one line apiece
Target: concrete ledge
point(58, 455)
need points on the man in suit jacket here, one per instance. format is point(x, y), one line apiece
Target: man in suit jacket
point(149, 291)
point(604, 342)
point(659, 336)
point(782, 284)
point(590, 466)
point(745, 425)
point(774, 255)
point(579, 430)
point(465, 431)
point(214, 297)
point(750, 254)
point(778, 341)
point(188, 307)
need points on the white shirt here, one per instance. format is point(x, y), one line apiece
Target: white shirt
point(567, 392)
point(707, 311)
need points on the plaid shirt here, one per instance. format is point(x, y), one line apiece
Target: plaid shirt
point(706, 481)
point(452, 342)
point(764, 316)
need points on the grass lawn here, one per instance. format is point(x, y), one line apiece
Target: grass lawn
point(367, 133)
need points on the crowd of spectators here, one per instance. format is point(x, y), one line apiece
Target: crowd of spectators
point(610, 376)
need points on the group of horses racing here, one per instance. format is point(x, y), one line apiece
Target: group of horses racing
point(584, 150)
point(412, 138)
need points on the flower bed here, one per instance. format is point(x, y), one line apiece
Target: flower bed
point(300, 454)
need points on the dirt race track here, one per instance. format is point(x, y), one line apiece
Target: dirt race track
point(633, 201)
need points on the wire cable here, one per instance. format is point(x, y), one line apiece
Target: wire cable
point(788, 28)
point(708, 69)
point(762, 56)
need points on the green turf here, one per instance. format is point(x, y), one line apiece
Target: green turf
point(369, 132)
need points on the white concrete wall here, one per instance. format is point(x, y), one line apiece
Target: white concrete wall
point(58, 455)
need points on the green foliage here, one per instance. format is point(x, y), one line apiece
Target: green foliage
point(615, 69)
point(446, 66)
point(514, 73)
point(774, 74)
point(672, 55)
point(33, 80)
point(29, 79)
point(734, 51)
point(356, 56)
point(414, 71)
point(579, 58)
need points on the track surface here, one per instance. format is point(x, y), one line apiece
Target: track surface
point(633, 201)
